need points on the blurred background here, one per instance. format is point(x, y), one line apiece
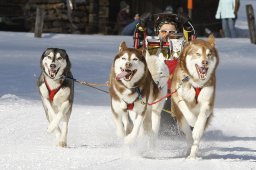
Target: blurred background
point(100, 16)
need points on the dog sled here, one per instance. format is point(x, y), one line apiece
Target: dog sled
point(171, 50)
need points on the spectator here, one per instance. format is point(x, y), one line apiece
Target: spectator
point(227, 12)
point(143, 20)
point(129, 29)
point(123, 17)
point(168, 10)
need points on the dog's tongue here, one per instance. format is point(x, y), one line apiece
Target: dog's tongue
point(121, 75)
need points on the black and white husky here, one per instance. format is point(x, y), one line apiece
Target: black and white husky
point(56, 92)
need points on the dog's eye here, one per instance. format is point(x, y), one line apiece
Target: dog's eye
point(60, 58)
point(135, 59)
point(198, 54)
point(49, 57)
point(209, 55)
point(123, 58)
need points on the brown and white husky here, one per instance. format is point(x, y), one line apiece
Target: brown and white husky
point(131, 89)
point(193, 102)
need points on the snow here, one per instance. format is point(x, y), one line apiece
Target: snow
point(228, 143)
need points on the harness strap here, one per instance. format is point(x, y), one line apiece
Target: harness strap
point(131, 105)
point(52, 92)
point(198, 90)
point(139, 93)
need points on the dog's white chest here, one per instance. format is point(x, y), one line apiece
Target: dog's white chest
point(55, 96)
point(188, 93)
point(129, 97)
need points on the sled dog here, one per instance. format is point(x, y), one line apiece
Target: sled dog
point(194, 79)
point(132, 88)
point(56, 92)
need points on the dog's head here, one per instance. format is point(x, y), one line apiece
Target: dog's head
point(129, 64)
point(199, 58)
point(55, 63)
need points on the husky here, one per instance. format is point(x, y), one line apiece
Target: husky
point(195, 82)
point(56, 92)
point(132, 88)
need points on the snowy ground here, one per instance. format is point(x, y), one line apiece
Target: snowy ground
point(229, 142)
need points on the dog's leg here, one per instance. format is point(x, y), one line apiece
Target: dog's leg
point(156, 117)
point(189, 116)
point(198, 130)
point(127, 123)
point(188, 132)
point(64, 132)
point(135, 131)
point(148, 129)
point(55, 122)
point(120, 131)
point(118, 113)
point(156, 111)
point(50, 111)
point(51, 115)
point(147, 122)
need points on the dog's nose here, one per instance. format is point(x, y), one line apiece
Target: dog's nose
point(128, 65)
point(205, 63)
point(52, 66)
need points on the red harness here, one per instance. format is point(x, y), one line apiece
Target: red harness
point(130, 106)
point(52, 92)
point(172, 65)
point(198, 90)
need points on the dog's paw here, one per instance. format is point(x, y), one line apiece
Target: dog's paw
point(128, 140)
point(120, 134)
point(62, 144)
point(192, 157)
point(191, 119)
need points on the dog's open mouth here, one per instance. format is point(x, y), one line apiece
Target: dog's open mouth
point(52, 72)
point(202, 72)
point(126, 74)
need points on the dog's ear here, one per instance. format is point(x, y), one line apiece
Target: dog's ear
point(185, 49)
point(44, 53)
point(122, 46)
point(144, 51)
point(183, 54)
point(42, 57)
point(211, 40)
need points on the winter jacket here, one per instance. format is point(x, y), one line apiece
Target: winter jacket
point(130, 28)
point(226, 9)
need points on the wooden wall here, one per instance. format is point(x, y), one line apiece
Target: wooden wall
point(99, 16)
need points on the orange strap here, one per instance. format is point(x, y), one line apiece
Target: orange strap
point(190, 4)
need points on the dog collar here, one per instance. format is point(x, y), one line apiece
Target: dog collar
point(131, 105)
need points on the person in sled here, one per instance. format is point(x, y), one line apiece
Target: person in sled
point(171, 33)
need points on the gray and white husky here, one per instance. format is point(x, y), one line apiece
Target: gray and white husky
point(56, 92)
